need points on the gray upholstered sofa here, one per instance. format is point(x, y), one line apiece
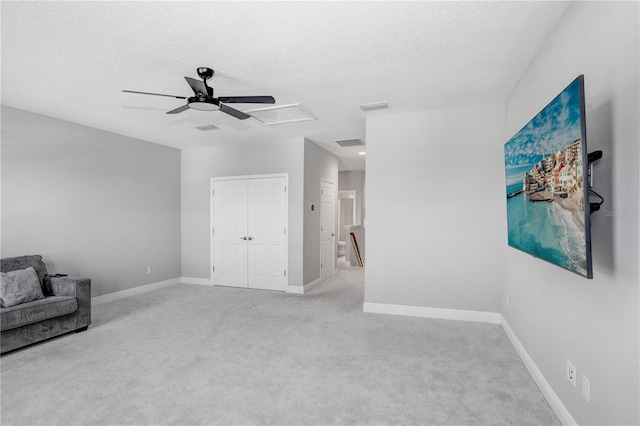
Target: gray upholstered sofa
point(66, 306)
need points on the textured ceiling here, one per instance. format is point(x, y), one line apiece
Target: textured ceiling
point(71, 60)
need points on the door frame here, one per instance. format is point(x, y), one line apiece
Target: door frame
point(335, 220)
point(286, 219)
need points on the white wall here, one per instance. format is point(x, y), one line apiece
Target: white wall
point(238, 159)
point(558, 315)
point(318, 163)
point(92, 203)
point(435, 211)
point(355, 180)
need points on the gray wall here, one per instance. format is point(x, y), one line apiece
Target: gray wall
point(558, 315)
point(318, 163)
point(355, 181)
point(92, 203)
point(435, 209)
point(238, 159)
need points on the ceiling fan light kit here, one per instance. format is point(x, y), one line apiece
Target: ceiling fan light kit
point(202, 104)
point(204, 100)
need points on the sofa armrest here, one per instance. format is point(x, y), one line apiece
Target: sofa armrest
point(66, 286)
point(80, 288)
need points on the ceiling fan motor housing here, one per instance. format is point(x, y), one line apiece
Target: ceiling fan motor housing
point(205, 73)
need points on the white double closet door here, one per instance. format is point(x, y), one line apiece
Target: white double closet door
point(249, 233)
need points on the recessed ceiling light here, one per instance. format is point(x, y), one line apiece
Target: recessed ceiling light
point(361, 153)
point(374, 107)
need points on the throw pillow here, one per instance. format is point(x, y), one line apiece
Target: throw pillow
point(19, 286)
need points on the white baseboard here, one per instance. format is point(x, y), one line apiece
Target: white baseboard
point(313, 284)
point(99, 300)
point(552, 398)
point(438, 313)
point(302, 289)
point(295, 289)
point(197, 281)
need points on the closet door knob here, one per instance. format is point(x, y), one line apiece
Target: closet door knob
point(250, 238)
point(243, 238)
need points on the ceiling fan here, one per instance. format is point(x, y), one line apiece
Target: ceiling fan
point(204, 100)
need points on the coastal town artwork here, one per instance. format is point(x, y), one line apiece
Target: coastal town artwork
point(545, 184)
point(558, 175)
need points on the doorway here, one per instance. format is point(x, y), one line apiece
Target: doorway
point(346, 217)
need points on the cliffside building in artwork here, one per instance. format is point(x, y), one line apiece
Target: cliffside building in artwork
point(560, 174)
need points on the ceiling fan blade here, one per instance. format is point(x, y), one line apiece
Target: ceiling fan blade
point(198, 86)
point(234, 112)
point(155, 94)
point(178, 110)
point(248, 99)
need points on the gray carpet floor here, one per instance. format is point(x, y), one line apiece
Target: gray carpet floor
point(191, 355)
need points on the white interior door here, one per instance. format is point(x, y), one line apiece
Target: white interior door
point(327, 228)
point(230, 233)
point(249, 233)
point(266, 234)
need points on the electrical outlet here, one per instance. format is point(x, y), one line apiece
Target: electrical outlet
point(571, 373)
point(586, 389)
point(148, 269)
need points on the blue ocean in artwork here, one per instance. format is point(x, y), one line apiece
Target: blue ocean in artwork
point(544, 185)
point(547, 231)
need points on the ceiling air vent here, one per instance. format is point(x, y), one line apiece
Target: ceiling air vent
point(207, 127)
point(374, 107)
point(350, 142)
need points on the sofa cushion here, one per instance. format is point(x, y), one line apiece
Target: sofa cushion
point(38, 310)
point(9, 264)
point(19, 286)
